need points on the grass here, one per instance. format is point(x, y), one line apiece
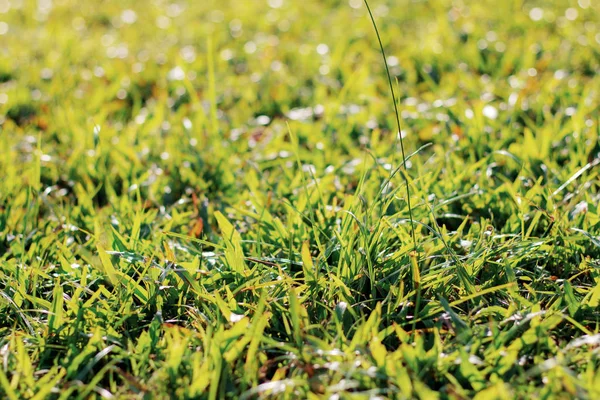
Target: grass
point(207, 200)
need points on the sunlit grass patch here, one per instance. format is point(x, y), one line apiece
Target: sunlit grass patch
point(208, 200)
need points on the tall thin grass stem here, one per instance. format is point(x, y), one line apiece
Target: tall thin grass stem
point(389, 76)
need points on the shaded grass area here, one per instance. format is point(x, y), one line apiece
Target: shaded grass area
point(206, 200)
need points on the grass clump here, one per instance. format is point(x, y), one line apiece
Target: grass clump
point(207, 200)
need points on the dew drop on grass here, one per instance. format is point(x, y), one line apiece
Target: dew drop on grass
point(536, 14)
point(473, 359)
point(188, 54)
point(356, 4)
point(46, 73)
point(490, 112)
point(276, 66)
point(235, 27)
point(128, 17)
point(275, 3)
point(309, 169)
point(392, 61)
point(581, 207)
point(176, 74)
point(250, 47)
point(226, 54)
point(263, 120)
point(163, 22)
point(4, 6)
point(322, 49)
point(99, 72)
point(466, 243)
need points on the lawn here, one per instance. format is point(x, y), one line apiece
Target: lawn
point(211, 199)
